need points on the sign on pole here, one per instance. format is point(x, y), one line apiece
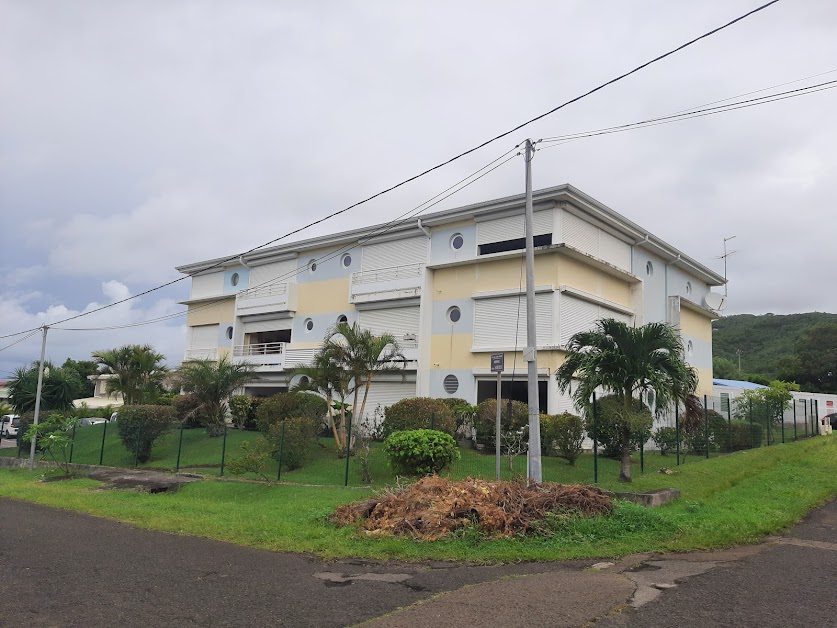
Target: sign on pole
point(498, 363)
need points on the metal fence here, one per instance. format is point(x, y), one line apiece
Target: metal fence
point(720, 427)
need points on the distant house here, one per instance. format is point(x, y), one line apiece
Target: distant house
point(805, 404)
point(101, 397)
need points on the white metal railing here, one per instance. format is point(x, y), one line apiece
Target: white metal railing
point(201, 354)
point(387, 274)
point(263, 291)
point(262, 348)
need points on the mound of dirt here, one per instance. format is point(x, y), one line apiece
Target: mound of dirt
point(434, 507)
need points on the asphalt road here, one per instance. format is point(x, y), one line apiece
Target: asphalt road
point(62, 569)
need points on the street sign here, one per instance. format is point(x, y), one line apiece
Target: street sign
point(498, 362)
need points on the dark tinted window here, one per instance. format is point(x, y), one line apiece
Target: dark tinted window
point(514, 245)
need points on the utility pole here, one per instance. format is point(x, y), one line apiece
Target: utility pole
point(531, 354)
point(724, 257)
point(38, 397)
point(738, 351)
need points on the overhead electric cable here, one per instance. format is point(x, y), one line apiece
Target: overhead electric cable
point(441, 164)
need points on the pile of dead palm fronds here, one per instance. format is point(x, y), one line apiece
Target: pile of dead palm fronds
point(435, 507)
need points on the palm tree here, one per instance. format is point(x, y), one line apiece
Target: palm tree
point(627, 362)
point(362, 355)
point(326, 376)
point(138, 368)
point(60, 387)
point(212, 383)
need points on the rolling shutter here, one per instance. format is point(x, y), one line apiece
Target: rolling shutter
point(512, 227)
point(494, 321)
point(384, 394)
point(614, 251)
point(580, 234)
point(395, 253)
point(577, 315)
point(207, 285)
point(395, 320)
point(281, 272)
point(204, 337)
point(271, 325)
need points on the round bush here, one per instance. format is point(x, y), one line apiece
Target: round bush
point(486, 420)
point(295, 444)
point(420, 452)
point(416, 413)
point(140, 426)
point(609, 423)
point(562, 435)
point(289, 405)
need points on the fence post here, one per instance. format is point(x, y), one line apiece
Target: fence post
point(348, 448)
point(102, 451)
point(794, 419)
point(224, 450)
point(139, 443)
point(817, 416)
point(179, 447)
point(706, 423)
point(72, 444)
point(782, 408)
point(729, 425)
point(805, 415)
point(433, 421)
point(750, 416)
point(768, 418)
point(677, 428)
point(281, 452)
point(595, 445)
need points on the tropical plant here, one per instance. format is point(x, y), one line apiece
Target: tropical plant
point(363, 355)
point(139, 426)
point(84, 369)
point(628, 362)
point(665, 438)
point(138, 370)
point(420, 452)
point(240, 409)
point(252, 458)
point(611, 418)
point(58, 390)
point(54, 440)
point(212, 383)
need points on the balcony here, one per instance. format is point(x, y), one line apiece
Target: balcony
point(384, 284)
point(275, 297)
point(200, 354)
point(273, 356)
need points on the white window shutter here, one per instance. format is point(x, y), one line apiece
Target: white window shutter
point(204, 337)
point(513, 227)
point(396, 320)
point(494, 321)
point(277, 272)
point(396, 253)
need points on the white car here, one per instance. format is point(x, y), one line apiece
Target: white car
point(9, 424)
point(92, 420)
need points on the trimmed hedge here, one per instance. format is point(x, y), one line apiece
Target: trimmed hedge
point(420, 452)
point(416, 413)
point(290, 405)
point(140, 426)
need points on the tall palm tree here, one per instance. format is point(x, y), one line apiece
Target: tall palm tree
point(212, 383)
point(327, 376)
point(627, 362)
point(363, 355)
point(139, 371)
point(60, 387)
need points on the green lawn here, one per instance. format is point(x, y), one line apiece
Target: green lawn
point(727, 500)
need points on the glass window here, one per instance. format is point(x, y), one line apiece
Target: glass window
point(649, 269)
point(457, 241)
point(347, 260)
point(309, 324)
point(454, 314)
point(234, 279)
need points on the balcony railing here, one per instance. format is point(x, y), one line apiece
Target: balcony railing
point(201, 354)
point(268, 290)
point(387, 274)
point(262, 348)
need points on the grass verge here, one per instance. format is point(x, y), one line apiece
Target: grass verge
point(725, 501)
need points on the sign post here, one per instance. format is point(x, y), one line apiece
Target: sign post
point(498, 361)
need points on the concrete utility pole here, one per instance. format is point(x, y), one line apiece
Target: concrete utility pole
point(38, 397)
point(531, 354)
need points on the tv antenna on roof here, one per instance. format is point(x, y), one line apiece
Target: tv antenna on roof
point(724, 257)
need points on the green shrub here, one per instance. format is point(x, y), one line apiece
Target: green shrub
point(240, 409)
point(562, 435)
point(252, 459)
point(140, 426)
point(609, 419)
point(252, 422)
point(486, 419)
point(417, 413)
point(27, 423)
point(187, 410)
point(665, 438)
point(297, 439)
point(287, 405)
point(420, 452)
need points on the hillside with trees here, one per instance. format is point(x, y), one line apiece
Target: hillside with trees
point(793, 347)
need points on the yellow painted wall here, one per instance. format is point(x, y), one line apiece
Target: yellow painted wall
point(704, 382)
point(321, 297)
point(222, 310)
point(453, 351)
point(695, 325)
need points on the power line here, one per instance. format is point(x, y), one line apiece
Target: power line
point(19, 340)
point(409, 215)
point(441, 164)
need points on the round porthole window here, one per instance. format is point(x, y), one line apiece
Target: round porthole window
point(347, 260)
point(312, 266)
point(649, 268)
point(309, 324)
point(688, 287)
point(229, 333)
point(304, 381)
point(342, 319)
point(457, 241)
point(234, 279)
point(451, 384)
point(454, 314)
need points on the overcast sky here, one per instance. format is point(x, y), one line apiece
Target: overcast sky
point(136, 136)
